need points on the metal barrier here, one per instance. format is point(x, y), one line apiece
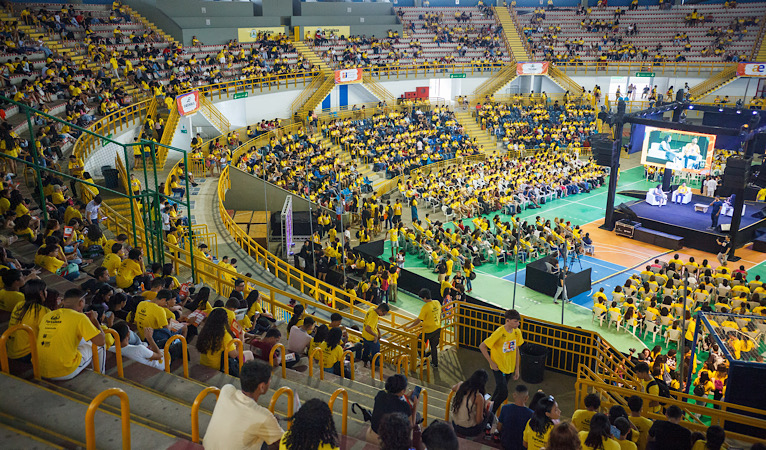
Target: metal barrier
point(344, 418)
point(184, 349)
point(351, 368)
point(4, 363)
point(95, 357)
point(282, 355)
point(427, 363)
point(372, 366)
point(448, 405)
point(117, 351)
point(195, 410)
point(90, 426)
point(424, 401)
point(241, 355)
point(399, 364)
point(273, 403)
point(320, 360)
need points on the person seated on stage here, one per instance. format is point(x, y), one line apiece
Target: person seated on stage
point(659, 196)
point(680, 193)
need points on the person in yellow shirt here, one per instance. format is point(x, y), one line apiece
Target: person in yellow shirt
point(581, 417)
point(214, 338)
point(29, 312)
point(501, 350)
point(642, 424)
point(599, 436)
point(430, 316)
point(715, 436)
point(64, 342)
point(623, 426)
point(541, 423)
point(10, 295)
point(649, 385)
point(130, 270)
point(371, 333)
point(332, 352)
point(113, 260)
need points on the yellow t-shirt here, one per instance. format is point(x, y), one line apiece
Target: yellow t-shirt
point(149, 314)
point(534, 440)
point(627, 445)
point(654, 389)
point(643, 424)
point(112, 262)
point(51, 264)
point(9, 299)
point(18, 342)
point(283, 446)
point(503, 346)
point(129, 269)
point(213, 360)
point(581, 419)
point(60, 333)
point(331, 356)
point(609, 444)
point(430, 315)
point(371, 320)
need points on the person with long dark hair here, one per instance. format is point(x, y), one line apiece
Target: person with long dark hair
point(216, 336)
point(297, 317)
point(29, 312)
point(470, 412)
point(541, 423)
point(313, 428)
point(319, 336)
point(599, 437)
point(332, 352)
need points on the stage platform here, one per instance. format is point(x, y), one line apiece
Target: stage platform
point(684, 221)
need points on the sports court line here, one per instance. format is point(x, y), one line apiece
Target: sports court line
point(634, 267)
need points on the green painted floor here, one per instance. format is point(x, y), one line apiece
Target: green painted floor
point(489, 285)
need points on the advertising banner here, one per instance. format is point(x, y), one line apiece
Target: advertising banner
point(188, 104)
point(338, 30)
point(251, 34)
point(532, 68)
point(348, 76)
point(751, 69)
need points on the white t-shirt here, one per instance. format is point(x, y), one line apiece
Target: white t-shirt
point(239, 422)
point(298, 340)
point(91, 210)
point(141, 353)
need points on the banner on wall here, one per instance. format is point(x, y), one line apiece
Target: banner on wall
point(188, 104)
point(532, 68)
point(751, 69)
point(348, 76)
point(340, 30)
point(251, 34)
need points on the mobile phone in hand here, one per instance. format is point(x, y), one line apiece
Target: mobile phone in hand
point(415, 393)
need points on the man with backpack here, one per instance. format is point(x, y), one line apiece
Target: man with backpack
point(653, 386)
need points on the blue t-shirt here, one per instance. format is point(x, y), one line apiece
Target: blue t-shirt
point(715, 207)
point(514, 418)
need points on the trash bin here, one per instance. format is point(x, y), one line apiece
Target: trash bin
point(110, 177)
point(533, 362)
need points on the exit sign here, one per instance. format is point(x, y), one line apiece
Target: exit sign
point(240, 95)
point(457, 75)
point(645, 74)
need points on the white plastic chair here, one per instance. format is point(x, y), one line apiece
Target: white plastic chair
point(614, 318)
point(651, 327)
point(673, 336)
point(447, 217)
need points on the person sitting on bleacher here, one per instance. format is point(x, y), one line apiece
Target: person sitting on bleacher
point(65, 338)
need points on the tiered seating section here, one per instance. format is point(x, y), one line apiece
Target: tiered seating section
point(569, 35)
point(441, 36)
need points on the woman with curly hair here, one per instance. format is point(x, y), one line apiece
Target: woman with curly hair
point(313, 428)
point(470, 412)
point(216, 336)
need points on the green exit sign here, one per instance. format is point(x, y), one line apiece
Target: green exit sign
point(240, 95)
point(645, 74)
point(457, 75)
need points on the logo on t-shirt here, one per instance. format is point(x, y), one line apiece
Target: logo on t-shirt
point(509, 346)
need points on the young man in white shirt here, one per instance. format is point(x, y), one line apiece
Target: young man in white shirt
point(92, 209)
point(145, 353)
point(238, 420)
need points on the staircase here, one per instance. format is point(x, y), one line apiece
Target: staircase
point(484, 140)
point(378, 90)
point(318, 95)
point(313, 58)
point(759, 50)
point(512, 34)
point(138, 17)
point(214, 115)
point(495, 83)
point(562, 79)
point(718, 80)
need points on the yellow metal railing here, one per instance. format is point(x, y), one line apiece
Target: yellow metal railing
point(282, 355)
point(90, 426)
point(4, 363)
point(377, 89)
point(195, 410)
point(316, 98)
point(128, 116)
point(214, 114)
point(241, 355)
point(151, 111)
point(284, 390)
point(184, 349)
point(663, 68)
point(117, 351)
point(344, 398)
point(319, 354)
point(308, 91)
point(379, 360)
point(351, 369)
point(715, 80)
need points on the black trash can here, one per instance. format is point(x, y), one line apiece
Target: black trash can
point(533, 362)
point(111, 177)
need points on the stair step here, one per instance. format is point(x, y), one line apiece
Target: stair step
point(15, 438)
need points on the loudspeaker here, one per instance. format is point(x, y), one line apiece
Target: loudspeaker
point(759, 143)
point(725, 226)
point(625, 209)
point(759, 214)
point(737, 172)
point(603, 147)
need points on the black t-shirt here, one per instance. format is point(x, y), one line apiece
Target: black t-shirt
point(386, 403)
point(669, 436)
point(725, 246)
point(715, 207)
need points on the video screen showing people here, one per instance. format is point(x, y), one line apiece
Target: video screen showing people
point(678, 150)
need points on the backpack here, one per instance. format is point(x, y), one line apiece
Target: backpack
point(663, 388)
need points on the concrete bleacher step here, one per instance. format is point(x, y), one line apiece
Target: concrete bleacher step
point(473, 129)
point(48, 414)
point(13, 438)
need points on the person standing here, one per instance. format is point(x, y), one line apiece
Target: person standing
point(501, 350)
point(561, 288)
point(715, 211)
point(723, 252)
point(371, 333)
point(430, 316)
point(710, 186)
point(414, 209)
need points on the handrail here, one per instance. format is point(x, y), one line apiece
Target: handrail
point(184, 349)
point(90, 426)
point(372, 366)
point(4, 363)
point(448, 405)
point(195, 410)
point(759, 39)
point(307, 91)
point(350, 365)
point(344, 418)
point(117, 351)
point(282, 356)
point(95, 357)
point(427, 363)
point(424, 401)
point(399, 363)
point(320, 360)
point(273, 403)
point(241, 350)
point(215, 115)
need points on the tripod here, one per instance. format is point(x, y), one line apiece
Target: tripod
point(574, 255)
